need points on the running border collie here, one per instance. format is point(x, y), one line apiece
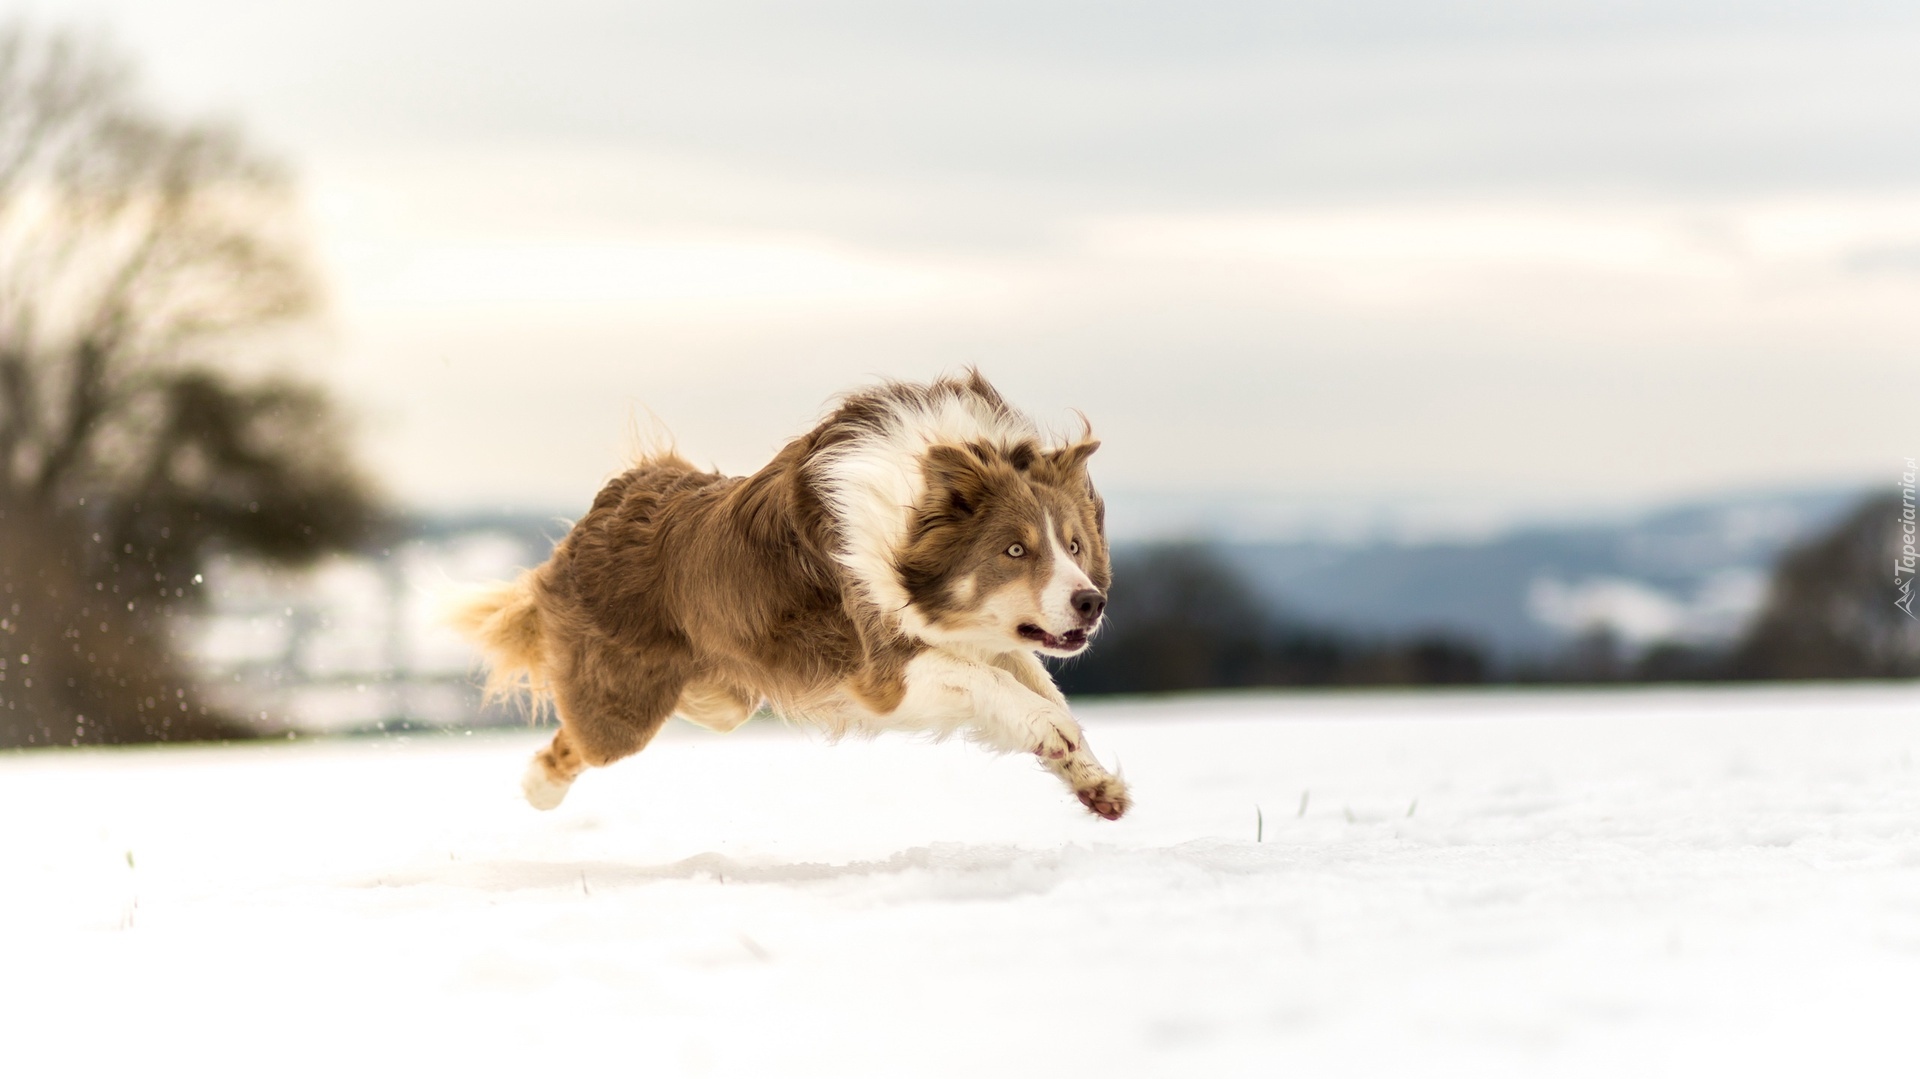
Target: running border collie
point(899, 567)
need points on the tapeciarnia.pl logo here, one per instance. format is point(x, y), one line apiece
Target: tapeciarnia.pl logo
point(1903, 565)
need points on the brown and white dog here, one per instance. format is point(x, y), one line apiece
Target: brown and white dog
point(896, 568)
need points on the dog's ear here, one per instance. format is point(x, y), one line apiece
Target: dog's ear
point(1069, 459)
point(957, 480)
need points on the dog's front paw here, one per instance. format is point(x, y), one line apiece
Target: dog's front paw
point(1055, 736)
point(1105, 797)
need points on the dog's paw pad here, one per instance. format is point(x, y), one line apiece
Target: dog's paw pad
point(1108, 798)
point(1053, 741)
point(1054, 746)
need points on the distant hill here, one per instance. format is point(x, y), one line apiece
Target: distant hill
point(356, 643)
point(1693, 572)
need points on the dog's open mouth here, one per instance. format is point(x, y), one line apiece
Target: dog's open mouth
point(1071, 641)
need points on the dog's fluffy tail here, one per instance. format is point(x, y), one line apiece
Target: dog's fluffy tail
point(504, 620)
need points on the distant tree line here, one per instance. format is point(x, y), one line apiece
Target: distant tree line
point(1181, 618)
point(1831, 611)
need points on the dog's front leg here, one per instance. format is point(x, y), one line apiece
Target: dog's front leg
point(947, 693)
point(1003, 705)
point(1101, 791)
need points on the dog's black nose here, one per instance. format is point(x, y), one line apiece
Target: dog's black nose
point(1089, 602)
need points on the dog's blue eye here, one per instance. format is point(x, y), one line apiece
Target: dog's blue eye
point(1073, 546)
point(1016, 551)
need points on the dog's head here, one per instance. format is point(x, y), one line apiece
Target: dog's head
point(1007, 549)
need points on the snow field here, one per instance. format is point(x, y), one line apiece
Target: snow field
point(1483, 883)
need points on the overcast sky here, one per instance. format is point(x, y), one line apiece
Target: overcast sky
point(1435, 261)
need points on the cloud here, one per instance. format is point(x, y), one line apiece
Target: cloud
point(1052, 105)
point(1508, 251)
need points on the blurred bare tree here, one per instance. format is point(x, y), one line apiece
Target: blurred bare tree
point(1831, 612)
point(144, 264)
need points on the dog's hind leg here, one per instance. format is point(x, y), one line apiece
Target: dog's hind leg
point(552, 771)
point(610, 707)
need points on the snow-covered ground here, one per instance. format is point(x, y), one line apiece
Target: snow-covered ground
point(1635, 883)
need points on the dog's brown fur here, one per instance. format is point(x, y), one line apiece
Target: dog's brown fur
point(689, 592)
